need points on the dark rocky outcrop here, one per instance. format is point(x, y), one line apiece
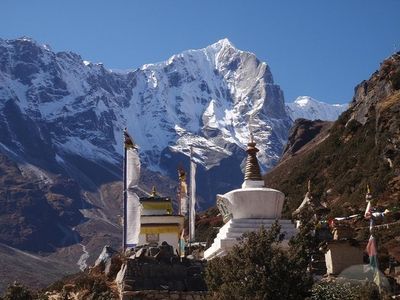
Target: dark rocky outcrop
point(302, 133)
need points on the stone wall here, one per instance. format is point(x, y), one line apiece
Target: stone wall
point(152, 278)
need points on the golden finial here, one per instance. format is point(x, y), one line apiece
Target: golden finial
point(251, 130)
point(154, 192)
point(128, 140)
point(181, 174)
point(368, 196)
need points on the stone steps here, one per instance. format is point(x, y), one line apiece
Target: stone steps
point(260, 221)
point(318, 264)
point(233, 230)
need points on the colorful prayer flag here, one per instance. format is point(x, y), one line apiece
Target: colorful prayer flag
point(373, 260)
point(182, 244)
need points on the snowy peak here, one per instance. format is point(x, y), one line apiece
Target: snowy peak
point(221, 45)
point(204, 98)
point(206, 92)
point(308, 108)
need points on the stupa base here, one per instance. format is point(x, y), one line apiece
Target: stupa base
point(230, 234)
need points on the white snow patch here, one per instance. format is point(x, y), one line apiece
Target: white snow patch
point(311, 109)
point(83, 258)
point(76, 145)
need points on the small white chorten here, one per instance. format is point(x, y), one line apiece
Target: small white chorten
point(248, 208)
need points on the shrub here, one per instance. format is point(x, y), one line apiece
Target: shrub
point(395, 80)
point(345, 290)
point(17, 291)
point(258, 268)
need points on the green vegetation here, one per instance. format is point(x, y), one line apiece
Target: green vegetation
point(395, 80)
point(207, 225)
point(92, 286)
point(345, 290)
point(17, 291)
point(350, 158)
point(258, 268)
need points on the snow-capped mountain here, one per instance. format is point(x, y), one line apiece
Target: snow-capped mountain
point(205, 98)
point(308, 108)
point(61, 123)
point(56, 109)
point(69, 109)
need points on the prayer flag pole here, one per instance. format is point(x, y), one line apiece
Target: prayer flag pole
point(372, 249)
point(124, 197)
point(192, 208)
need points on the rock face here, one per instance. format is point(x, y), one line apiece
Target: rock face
point(362, 147)
point(36, 217)
point(302, 133)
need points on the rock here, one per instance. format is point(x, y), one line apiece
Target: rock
point(121, 275)
point(105, 256)
point(153, 251)
point(174, 296)
point(141, 252)
point(166, 252)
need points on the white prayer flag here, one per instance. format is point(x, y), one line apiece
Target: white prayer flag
point(183, 193)
point(132, 168)
point(132, 207)
point(133, 210)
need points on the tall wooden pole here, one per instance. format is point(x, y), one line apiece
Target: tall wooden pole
point(124, 202)
point(190, 199)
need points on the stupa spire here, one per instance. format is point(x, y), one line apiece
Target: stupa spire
point(154, 192)
point(252, 171)
point(252, 174)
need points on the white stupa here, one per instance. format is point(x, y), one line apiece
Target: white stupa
point(248, 208)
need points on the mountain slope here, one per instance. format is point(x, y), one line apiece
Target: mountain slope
point(362, 147)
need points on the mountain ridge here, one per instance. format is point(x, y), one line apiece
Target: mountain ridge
point(62, 120)
point(306, 107)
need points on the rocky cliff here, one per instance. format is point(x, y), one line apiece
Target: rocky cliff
point(362, 147)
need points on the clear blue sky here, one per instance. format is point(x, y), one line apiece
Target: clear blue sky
point(318, 48)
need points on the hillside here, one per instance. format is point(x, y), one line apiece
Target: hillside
point(362, 147)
